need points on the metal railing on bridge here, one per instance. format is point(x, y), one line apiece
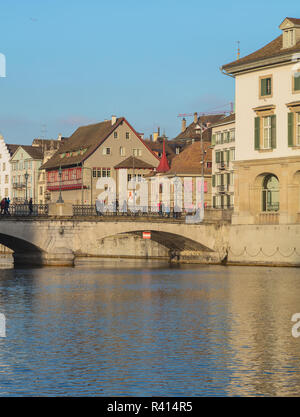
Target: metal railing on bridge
point(24, 210)
point(210, 214)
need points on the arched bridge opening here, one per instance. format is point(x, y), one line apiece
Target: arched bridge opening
point(157, 245)
point(24, 252)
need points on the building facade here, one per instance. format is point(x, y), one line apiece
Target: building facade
point(25, 164)
point(94, 152)
point(267, 186)
point(223, 143)
point(6, 152)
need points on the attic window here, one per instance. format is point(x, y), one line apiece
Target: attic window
point(288, 38)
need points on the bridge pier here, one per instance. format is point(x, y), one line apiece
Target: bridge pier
point(57, 257)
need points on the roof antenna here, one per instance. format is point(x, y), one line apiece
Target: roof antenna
point(238, 50)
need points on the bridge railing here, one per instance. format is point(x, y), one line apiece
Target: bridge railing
point(23, 210)
point(210, 214)
point(88, 210)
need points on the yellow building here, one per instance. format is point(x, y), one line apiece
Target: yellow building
point(267, 147)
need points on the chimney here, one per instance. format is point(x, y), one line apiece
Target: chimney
point(183, 125)
point(158, 131)
point(113, 119)
point(59, 136)
point(155, 136)
point(195, 117)
point(151, 138)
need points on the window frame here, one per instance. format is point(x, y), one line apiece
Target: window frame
point(265, 77)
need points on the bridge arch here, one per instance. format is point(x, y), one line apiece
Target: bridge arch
point(172, 241)
point(22, 249)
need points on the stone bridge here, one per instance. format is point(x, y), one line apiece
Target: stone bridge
point(64, 241)
point(60, 241)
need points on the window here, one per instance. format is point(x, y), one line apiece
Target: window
point(116, 135)
point(177, 150)
point(270, 193)
point(232, 154)
point(232, 135)
point(266, 86)
point(137, 152)
point(298, 129)
point(106, 151)
point(127, 135)
point(3, 166)
point(41, 190)
point(296, 82)
point(94, 173)
point(267, 132)
point(122, 151)
point(6, 179)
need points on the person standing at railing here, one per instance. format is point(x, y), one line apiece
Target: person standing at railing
point(6, 206)
point(30, 206)
point(3, 206)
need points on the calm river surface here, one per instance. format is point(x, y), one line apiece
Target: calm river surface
point(118, 329)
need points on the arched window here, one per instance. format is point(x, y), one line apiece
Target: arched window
point(270, 193)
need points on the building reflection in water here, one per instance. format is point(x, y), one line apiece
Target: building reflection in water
point(108, 330)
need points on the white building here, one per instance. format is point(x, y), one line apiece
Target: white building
point(6, 152)
point(223, 142)
point(267, 167)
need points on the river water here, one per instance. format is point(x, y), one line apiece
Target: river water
point(119, 329)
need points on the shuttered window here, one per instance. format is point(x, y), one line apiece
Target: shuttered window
point(290, 129)
point(297, 81)
point(257, 133)
point(266, 86)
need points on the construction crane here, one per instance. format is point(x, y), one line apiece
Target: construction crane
point(210, 112)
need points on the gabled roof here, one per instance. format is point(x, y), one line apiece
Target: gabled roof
point(272, 50)
point(190, 131)
point(225, 120)
point(34, 151)
point(157, 147)
point(134, 163)
point(12, 149)
point(189, 161)
point(84, 142)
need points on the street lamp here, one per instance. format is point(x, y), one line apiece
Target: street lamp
point(26, 175)
point(60, 199)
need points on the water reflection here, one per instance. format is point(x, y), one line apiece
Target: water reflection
point(149, 330)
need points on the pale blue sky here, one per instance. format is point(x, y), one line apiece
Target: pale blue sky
point(74, 62)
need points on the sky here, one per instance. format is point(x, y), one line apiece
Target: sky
point(74, 62)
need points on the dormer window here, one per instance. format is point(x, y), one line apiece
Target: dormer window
point(288, 38)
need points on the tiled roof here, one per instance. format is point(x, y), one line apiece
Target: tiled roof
point(190, 131)
point(12, 148)
point(47, 144)
point(272, 49)
point(294, 20)
point(189, 161)
point(157, 147)
point(84, 141)
point(227, 119)
point(134, 163)
point(34, 151)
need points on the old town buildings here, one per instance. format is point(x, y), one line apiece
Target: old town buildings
point(223, 143)
point(96, 151)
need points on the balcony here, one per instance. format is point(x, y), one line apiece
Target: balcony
point(222, 188)
point(223, 165)
point(268, 217)
point(19, 185)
